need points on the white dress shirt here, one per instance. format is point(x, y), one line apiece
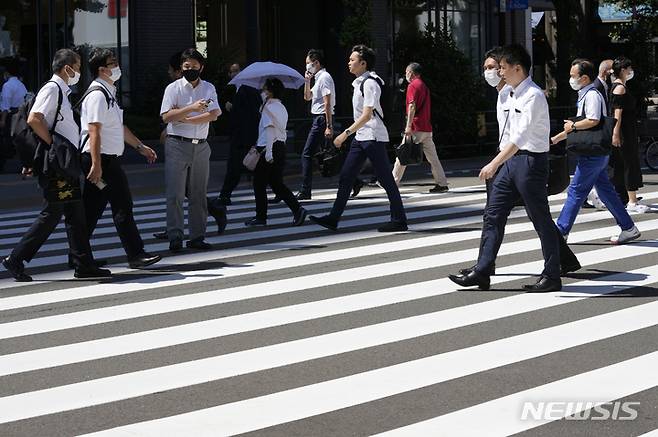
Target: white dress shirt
point(529, 120)
point(374, 129)
point(181, 93)
point(94, 109)
point(323, 86)
point(591, 101)
point(13, 94)
point(272, 125)
point(45, 103)
point(502, 111)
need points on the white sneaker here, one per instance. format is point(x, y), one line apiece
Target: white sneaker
point(594, 200)
point(626, 236)
point(636, 207)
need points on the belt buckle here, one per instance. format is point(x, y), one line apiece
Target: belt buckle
point(195, 141)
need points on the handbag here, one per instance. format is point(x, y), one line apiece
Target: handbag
point(330, 159)
point(409, 152)
point(596, 141)
point(558, 173)
point(60, 188)
point(251, 158)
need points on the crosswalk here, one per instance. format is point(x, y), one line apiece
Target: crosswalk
point(288, 331)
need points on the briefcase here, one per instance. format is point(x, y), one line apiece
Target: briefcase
point(409, 152)
point(58, 188)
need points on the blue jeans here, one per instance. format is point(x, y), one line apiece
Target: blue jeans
point(592, 171)
point(376, 152)
point(314, 139)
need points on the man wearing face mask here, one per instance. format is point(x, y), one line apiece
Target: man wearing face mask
point(419, 127)
point(103, 137)
point(188, 106)
point(322, 96)
point(591, 170)
point(66, 69)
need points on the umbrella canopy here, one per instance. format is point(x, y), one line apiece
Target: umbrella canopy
point(255, 74)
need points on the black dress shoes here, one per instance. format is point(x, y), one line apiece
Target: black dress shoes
point(471, 279)
point(468, 270)
point(544, 285)
point(218, 211)
point(393, 227)
point(565, 270)
point(325, 221)
point(175, 245)
point(356, 188)
point(255, 222)
point(300, 216)
point(97, 262)
point(91, 272)
point(16, 269)
point(199, 244)
point(144, 260)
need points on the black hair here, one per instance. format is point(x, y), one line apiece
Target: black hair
point(13, 67)
point(516, 54)
point(175, 62)
point(619, 63)
point(64, 57)
point(192, 54)
point(585, 68)
point(98, 58)
point(494, 53)
point(316, 55)
point(275, 86)
point(366, 54)
point(415, 68)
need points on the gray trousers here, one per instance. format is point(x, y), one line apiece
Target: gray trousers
point(186, 164)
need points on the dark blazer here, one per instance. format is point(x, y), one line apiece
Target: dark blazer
point(599, 86)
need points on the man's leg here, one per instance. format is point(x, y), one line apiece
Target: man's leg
point(197, 213)
point(234, 169)
point(176, 167)
point(611, 200)
point(353, 163)
point(587, 170)
point(314, 139)
point(376, 152)
point(78, 237)
point(429, 149)
point(38, 233)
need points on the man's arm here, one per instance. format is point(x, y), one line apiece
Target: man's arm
point(358, 124)
point(411, 112)
point(136, 144)
point(308, 94)
point(329, 131)
point(176, 114)
point(203, 118)
point(37, 122)
point(96, 172)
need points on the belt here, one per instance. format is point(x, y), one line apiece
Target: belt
point(189, 140)
point(527, 152)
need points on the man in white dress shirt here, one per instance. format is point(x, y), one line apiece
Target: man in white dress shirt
point(12, 96)
point(523, 164)
point(103, 136)
point(322, 96)
point(188, 106)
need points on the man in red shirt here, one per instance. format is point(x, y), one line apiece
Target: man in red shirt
point(419, 127)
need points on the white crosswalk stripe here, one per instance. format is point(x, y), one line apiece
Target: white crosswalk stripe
point(299, 331)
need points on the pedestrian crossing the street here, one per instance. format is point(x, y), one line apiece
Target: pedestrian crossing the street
point(299, 331)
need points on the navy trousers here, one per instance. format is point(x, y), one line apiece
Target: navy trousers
point(376, 152)
point(525, 174)
point(313, 141)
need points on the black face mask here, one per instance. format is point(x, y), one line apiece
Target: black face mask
point(191, 75)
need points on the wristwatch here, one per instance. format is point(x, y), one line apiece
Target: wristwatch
point(573, 126)
point(139, 147)
point(348, 132)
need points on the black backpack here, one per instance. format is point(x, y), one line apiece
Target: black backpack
point(76, 108)
point(25, 140)
point(379, 82)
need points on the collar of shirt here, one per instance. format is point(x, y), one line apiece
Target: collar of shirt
point(357, 82)
point(583, 90)
point(520, 88)
point(320, 73)
point(111, 88)
point(63, 85)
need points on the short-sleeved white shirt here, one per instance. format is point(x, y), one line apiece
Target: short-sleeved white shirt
point(323, 86)
point(181, 93)
point(94, 109)
point(45, 103)
point(591, 100)
point(374, 129)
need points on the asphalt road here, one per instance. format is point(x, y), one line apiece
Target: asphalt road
point(283, 331)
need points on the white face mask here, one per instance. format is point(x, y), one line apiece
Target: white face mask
point(73, 80)
point(574, 82)
point(630, 75)
point(311, 68)
point(116, 74)
point(492, 78)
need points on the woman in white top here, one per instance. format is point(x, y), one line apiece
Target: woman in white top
point(272, 145)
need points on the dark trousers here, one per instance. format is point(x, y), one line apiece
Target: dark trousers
point(234, 168)
point(313, 141)
point(272, 174)
point(376, 152)
point(117, 194)
point(525, 175)
point(45, 224)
